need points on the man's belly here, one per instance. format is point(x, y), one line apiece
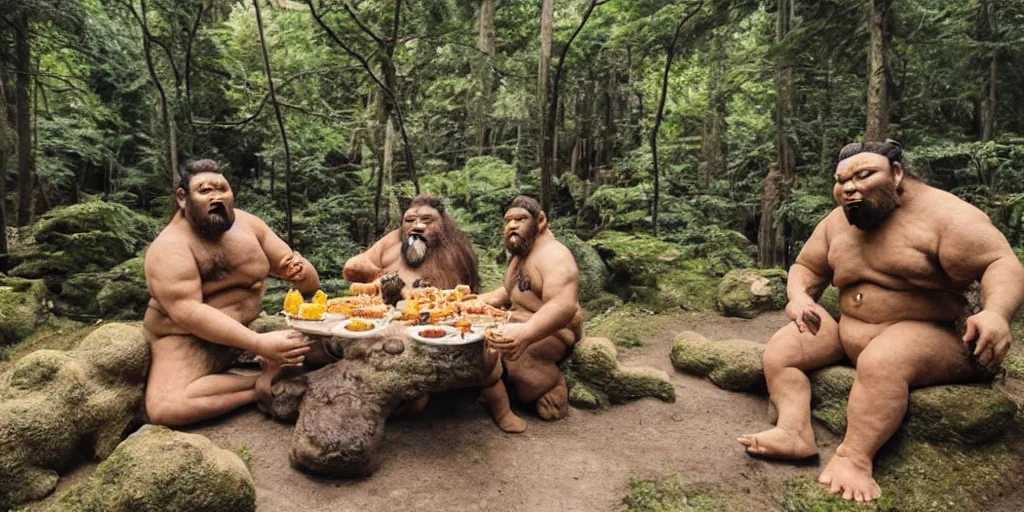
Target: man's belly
point(570, 334)
point(873, 304)
point(241, 304)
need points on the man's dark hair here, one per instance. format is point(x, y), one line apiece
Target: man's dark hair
point(890, 149)
point(428, 200)
point(527, 203)
point(193, 167)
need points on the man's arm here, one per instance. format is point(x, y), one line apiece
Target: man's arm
point(971, 248)
point(172, 277)
point(808, 277)
point(559, 296)
point(300, 273)
point(367, 266)
point(498, 297)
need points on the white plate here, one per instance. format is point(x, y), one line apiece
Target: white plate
point(451, 338)
point(340, 331)
point(320, 327)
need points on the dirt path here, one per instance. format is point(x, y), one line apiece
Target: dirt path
point(453, 458)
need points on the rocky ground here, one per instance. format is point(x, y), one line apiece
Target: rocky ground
point(644, 455)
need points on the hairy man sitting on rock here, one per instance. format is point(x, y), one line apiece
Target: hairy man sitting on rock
point(901, 254)
point(540, 287)
point(428, 250)
point(206, 273)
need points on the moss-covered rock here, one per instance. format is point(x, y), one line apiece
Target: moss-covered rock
point(159, 469)
point(593, 273)
point(124, 296)
point(594, 367)
point(268, 323)
point(615, 208)
point(918, 476)
point(24, 305)
point(636, 259)
point(746, 293)
point(54, 405)
point(91, 236)
point(734, 365)
point(830, 301)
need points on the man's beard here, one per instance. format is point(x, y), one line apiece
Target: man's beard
point(415, 250)
point(521, 245)
point(872, 211)
point(209, 225)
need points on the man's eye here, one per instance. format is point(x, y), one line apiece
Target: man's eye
point(864, 174)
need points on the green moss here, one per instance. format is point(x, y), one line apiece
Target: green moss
point(618, 208)
point(691, 288)
point(830, 301)
point(245, 453)
point(43, 264)
point(159, 469)
point(583, 396)
point(637, 259)
point(830, 392)
point(23, 308)
point(918, 476)
point(57, 334)
point(125, 295)
point(746, 293)
point(668, 495)
point(628, 324)
point(734, 365)
point(594, 363)
point(965, 414)
point(593, 273)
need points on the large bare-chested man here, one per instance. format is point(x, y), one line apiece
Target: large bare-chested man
point(540, 288)
point(206, 272)
point(901, 254)
point(428, 250)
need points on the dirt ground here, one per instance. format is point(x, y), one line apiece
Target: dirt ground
point(454, 458)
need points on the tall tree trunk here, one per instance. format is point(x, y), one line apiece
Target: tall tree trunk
point(6, 144)
point(22, 81)
point(771, 240)
point(547, 28)
point(991, 74)
point(169, 126)
point(670, 55)
point(550, 120)
point(485, 75)
point(879, 71)
point(713, 143)
point(280, 121)
point(388, 172)
point(824, 115)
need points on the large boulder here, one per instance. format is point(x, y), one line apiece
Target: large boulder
point(91, 236)
point(24, 305)
point(730, 364)
point(746, 293)
point(117, 294)
point(593, 272)
point(55, 406)
point(157, 468)
point(596, 379)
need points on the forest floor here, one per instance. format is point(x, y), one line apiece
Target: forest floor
point(452, 457)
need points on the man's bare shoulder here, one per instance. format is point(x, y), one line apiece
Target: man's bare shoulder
point(948, 209)
point(834, 222)
point(556, 256)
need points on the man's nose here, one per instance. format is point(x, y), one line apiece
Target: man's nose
point(419, 226)
point(849, 188)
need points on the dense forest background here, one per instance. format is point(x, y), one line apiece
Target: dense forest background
point(670, 141)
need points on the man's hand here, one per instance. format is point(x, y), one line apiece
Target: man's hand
point(283, 347)
point(992, 333)
point(805, 313)
point(293, 267)
point(512, 340)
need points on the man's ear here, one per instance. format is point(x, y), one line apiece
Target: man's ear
point(179, 197)
point(897, 174)
point(542, 221)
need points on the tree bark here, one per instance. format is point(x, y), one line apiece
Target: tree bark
point(280, 121)
point(879, 71)
point(550, 120)
point(771, 240)
point(22, 82)
point(670, 55)
point(990, 75)
point(388, 171)
point(713, 143)
point(6, 144)
point(547, 27)
point(169, 126)
point(486, 44)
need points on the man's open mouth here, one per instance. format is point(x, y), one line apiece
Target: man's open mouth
point(218, 209)
point(414, 237)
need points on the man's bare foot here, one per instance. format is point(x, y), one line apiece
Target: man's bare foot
point(272, 374)
point(850, 474)
point(780, 444)
point(509, 422)
point(554, 404)
point(495, 399)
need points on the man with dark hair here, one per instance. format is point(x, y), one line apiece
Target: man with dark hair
point(206, 273)
point(902, 254)
point(540, 289)
point(428, 250)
